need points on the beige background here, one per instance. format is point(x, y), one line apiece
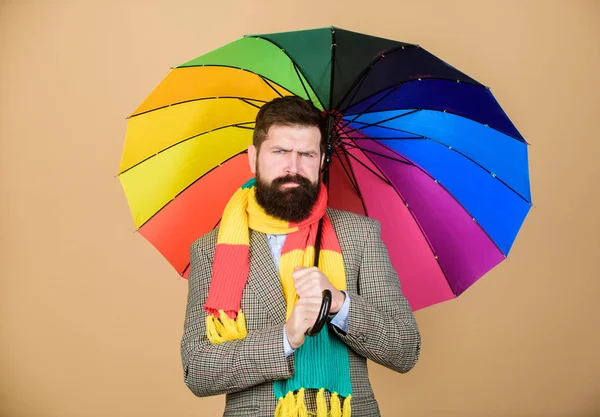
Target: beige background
point(91, 315)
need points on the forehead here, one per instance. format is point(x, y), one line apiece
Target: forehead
point(295, 136)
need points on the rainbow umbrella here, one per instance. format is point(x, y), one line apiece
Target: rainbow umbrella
point(414, 143)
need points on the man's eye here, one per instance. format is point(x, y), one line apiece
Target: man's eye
point(307, 154)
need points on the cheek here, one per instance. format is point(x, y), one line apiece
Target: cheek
point(311, 170)
point(269, 167)
point(315, 164)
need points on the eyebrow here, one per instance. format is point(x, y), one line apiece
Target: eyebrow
point(281, 148)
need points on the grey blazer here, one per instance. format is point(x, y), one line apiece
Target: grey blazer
point(381, 325)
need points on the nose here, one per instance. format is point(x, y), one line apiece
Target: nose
point(292, 163)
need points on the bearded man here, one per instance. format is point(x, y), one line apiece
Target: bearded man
point(254, 292)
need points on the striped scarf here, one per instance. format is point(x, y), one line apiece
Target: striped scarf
point(322, 362)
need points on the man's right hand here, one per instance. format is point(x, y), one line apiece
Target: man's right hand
point(303, 317)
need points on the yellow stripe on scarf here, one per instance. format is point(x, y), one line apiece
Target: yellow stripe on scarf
point(330, 263)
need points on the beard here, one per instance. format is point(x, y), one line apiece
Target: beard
point(290, 204)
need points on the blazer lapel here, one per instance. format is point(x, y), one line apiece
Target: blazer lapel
point(264, 278)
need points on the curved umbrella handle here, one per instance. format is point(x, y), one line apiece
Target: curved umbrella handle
point(323, 314)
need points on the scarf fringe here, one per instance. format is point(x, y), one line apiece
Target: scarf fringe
point(347, 407)
point(219, 330)
point(336, 407)
point(321, 403)
point(294, 405)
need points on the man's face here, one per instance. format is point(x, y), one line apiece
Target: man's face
point(287, 171)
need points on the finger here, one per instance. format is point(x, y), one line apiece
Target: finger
point(308, 288)
point(314, 279)
point(300, 272)
point(309, 301)
point(312, 276)
point(311, 288)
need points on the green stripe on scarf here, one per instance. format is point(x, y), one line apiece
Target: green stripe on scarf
point(314, 370)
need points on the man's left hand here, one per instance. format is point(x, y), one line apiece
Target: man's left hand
point(310, 282)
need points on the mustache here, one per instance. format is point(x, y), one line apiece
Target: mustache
point(298, 179)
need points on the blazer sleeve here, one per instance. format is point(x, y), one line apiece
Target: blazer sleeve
point(235, 365)
point(381, 325)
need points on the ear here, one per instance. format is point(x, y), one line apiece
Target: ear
point(322, 161)
point(252, 158)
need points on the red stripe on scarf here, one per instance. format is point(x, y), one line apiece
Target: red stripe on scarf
point(298, 240)
point(230, 263)
point(329, 239)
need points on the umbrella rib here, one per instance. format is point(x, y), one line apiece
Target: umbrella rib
point(354, 146)
point(413, 215)
point(269, 84)
point(243, 125)
point(365, 72)
point(394, 50)
point(238, 125)
point(395, 129)
point(359, 85)
point(455, 150)
point(448, 112)
point(353, 180)
point(300, 78)
point(388, 138)
point(241, 69)
point(447, 191)
point(195, 181)
point(252, 104)
point(227, 66)
point(375, 102)
point(382, 178)
point(351, 177)
point(366, 125)
point(244, 99)
point(392, 86)
point(295, 65)
point(332, 78)
point(520, 139)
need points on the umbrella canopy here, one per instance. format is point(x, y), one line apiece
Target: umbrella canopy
point(416, 144)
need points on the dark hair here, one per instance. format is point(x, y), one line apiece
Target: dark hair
point(288, 111)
